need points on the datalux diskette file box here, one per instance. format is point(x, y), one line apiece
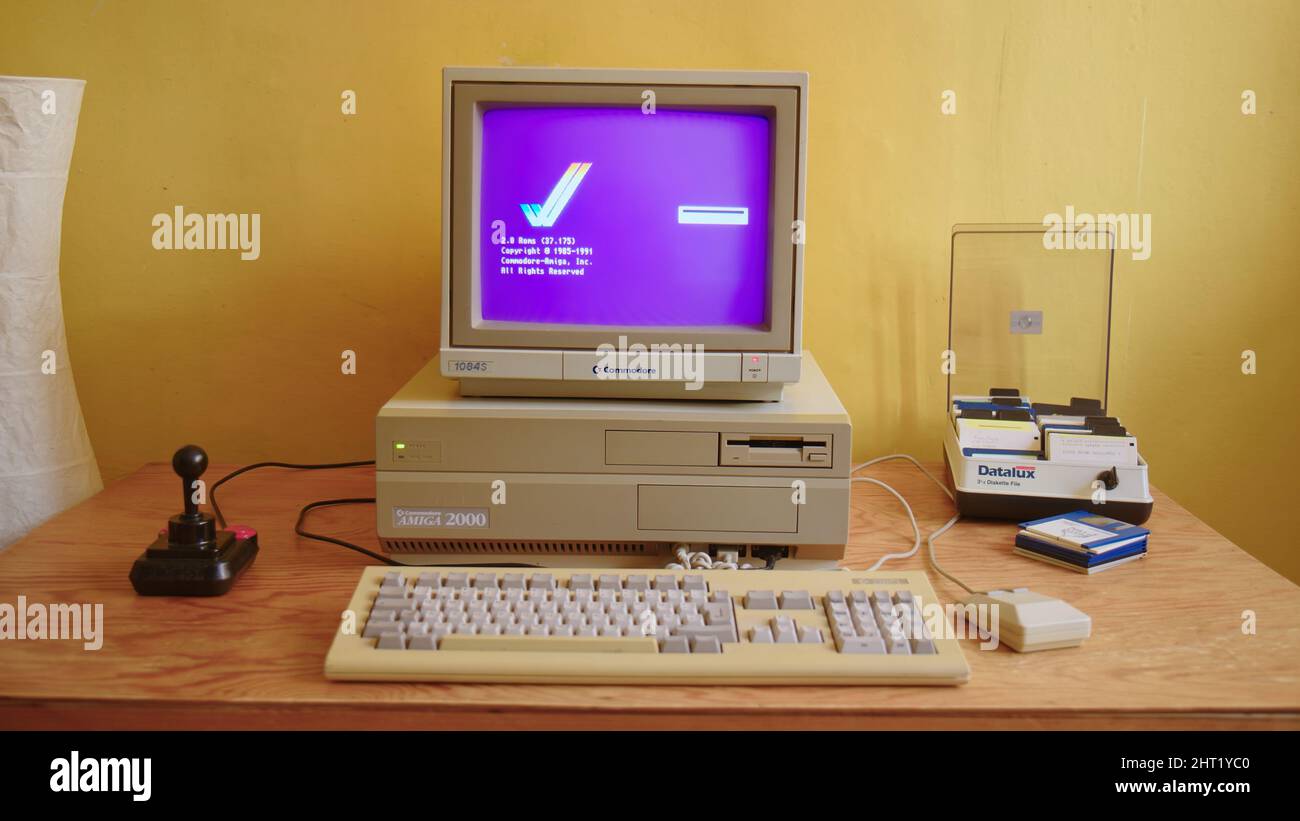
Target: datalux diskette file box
point(1028, 363)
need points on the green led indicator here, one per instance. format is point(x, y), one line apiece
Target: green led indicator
point(400, 445)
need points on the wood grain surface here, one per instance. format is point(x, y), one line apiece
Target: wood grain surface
point(1167, 651)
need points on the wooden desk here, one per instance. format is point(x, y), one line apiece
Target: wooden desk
point(1167, 649)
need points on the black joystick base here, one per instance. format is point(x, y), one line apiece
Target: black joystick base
point(191, 557)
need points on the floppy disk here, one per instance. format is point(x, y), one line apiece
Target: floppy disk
point(1093, 448)
point(999, 436)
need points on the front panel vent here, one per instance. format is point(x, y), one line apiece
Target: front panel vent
point(483, 546)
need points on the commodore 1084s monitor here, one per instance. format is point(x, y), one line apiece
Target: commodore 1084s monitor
point(617, 233)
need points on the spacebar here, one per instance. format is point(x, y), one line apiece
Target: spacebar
point(553, 644)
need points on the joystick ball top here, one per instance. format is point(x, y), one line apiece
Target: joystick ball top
point(190, 461)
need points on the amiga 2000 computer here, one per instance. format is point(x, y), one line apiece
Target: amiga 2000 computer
point(622, 312)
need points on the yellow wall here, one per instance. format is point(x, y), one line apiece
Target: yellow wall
point(1108, 106)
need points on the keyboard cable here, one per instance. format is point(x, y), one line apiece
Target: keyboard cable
point(916, 529)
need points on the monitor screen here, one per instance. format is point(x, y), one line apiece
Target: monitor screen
point(592, 215)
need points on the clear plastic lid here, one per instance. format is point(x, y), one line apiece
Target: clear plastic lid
point(1029, 308)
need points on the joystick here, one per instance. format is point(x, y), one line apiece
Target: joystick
point(191, 557)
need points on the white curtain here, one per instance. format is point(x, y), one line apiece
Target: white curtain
point(46, 462)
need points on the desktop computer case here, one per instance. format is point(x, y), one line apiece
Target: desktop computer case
point(1026, 314)
point(560, 481)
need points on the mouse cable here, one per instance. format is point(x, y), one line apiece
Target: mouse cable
point(307, 508)
point(916, 529)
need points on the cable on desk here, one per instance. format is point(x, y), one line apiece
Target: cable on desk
point(310, 506)
point(212, 493)
point(307, 508)
point(302, 514)
point(916, 529)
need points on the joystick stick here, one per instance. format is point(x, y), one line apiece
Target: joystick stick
point(191, 557)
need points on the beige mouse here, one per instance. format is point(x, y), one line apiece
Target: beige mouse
point(1026, 621)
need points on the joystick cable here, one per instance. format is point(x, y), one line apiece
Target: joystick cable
point(379, 557)
point(212, 493)
point(307, 508)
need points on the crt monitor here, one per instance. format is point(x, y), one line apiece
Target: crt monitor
point(622, 233)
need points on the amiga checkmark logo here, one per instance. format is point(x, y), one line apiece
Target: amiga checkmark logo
point(545, 214)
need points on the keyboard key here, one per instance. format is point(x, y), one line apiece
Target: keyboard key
point(392, 640)
point(796, 600)
point(717, 614)
point(898, 646)
point(810, 635)
point(675, 644)
point(694, 582)
point(724, 633)
point(665, 582)
point(706, 644)
point(550, 644)
point(783, 630)
point(427, 642)
point(760, 600)
point(541, 581)
point(760, 634)
point(485, 580)
point(375, 629)
point(859, 644)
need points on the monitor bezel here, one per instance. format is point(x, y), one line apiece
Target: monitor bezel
point(469, 97)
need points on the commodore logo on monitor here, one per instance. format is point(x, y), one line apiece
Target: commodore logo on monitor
point(545, 215)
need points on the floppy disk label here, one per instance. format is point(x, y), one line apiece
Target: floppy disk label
point(998, 435)
point(1092, 449)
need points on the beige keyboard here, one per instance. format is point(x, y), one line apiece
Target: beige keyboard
point(647, 627)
